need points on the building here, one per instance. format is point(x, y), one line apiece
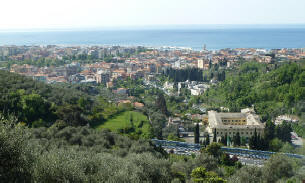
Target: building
point(197, 91)
point(200, 64)
point(203, 64)
point(174, 121)
point(280, 119)
point(230, 123)
point(102, 77)
point(138, 105)
point(168, 85)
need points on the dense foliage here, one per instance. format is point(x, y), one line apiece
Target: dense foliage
point(81, 154)
point(63, 148)
point(77, 154)
point(272, 91)
point(39, 104)
point(181, 75)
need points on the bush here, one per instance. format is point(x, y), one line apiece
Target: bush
point(247, 174)
point(277, 167)
point(15, 156)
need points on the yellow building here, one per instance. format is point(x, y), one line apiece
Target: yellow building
point(245, 122)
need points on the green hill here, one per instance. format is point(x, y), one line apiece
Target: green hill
point(273, 92)
point(128, 122)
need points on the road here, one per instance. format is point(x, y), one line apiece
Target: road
point(243, 160)
point(246, 156)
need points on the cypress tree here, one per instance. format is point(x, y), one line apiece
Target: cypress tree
point(251, 142)
point(226, 140)
point(196, 134)
point(214, 136)
point(223, 140)
point(255, 139)
point(269, 133)
point(161, 104)
point(207, 139)
point(177, 132)
point(237, 139)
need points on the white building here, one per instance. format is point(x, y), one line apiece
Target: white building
point(279, 120)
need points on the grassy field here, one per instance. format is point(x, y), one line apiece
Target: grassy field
point(128, 122)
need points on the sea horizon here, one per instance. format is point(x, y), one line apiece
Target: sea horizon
point(215, 37)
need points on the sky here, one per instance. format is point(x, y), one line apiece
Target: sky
point(61, 14)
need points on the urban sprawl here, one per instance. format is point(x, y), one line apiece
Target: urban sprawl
point(115, 62)
point(107, 64)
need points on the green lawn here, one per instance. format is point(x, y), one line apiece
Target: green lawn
point(128, 122)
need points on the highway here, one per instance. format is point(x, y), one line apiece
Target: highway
point(245, 156)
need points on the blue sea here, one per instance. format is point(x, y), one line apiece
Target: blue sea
point(267, 37)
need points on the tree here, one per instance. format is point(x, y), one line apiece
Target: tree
point(277, 167)
point(288, 148)
point(269, 134)
point(243, 141)
point(34, 107)
point(283, 132)
point(200, 174)
point(223, 140)
point(158, 121)
point(161, 104)
point(214, 149)
point(207, 139)
point(226, 160)
point(206, 160)
point(254, 141)
point(269, 130)
point(84, 104)
point(226, 140)
point(215, 136)
point(72, 115)
point(275, 144)
point(247, 174)
point(197, 134)
point(16, 157)
point(236, 139)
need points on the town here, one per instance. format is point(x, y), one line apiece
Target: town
point(106, 65)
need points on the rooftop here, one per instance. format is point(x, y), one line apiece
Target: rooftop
point(242, 120)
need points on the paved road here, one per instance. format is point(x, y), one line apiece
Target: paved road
point(246, 156)
point(243, 160)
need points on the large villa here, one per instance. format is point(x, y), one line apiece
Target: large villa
point(245, 122)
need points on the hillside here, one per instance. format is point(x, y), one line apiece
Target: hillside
point(273, 92)
point(281, 90)
point(39, 104)
point(131, 122)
